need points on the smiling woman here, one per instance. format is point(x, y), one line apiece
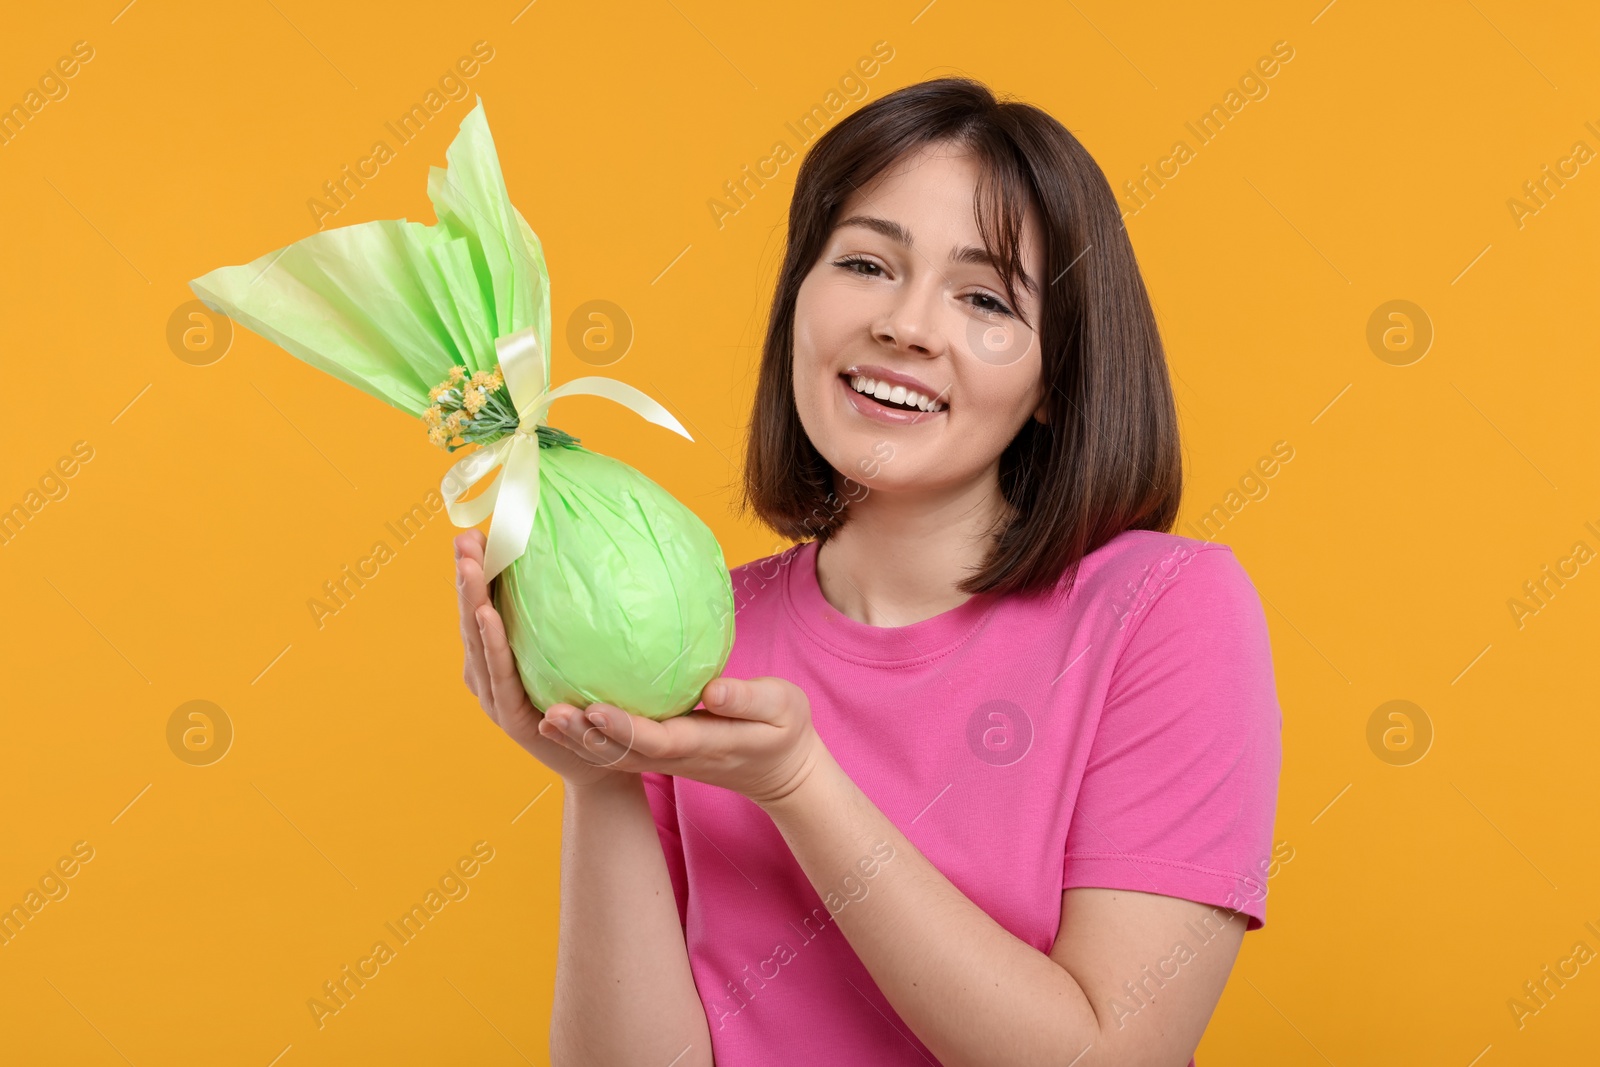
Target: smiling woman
point(964, 401)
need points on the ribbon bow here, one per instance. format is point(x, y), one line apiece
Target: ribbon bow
point(513, 496)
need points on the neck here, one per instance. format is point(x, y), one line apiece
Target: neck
point(898, 559)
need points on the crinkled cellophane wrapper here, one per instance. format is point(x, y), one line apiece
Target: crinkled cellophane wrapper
point(622, 595)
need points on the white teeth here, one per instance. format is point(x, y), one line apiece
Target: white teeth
point(895, 394)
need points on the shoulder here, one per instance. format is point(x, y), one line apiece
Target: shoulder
point(1190, 658)
point(757, 582)
point(1133, 572)
point(768, 564)
point(1140, 556)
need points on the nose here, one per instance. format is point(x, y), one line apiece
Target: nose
point(910, 320)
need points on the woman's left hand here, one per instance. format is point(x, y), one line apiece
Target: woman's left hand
point(754, 737)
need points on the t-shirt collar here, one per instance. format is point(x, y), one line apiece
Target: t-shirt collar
point(886, 646)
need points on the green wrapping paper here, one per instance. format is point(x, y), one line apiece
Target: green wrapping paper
point(611, 590)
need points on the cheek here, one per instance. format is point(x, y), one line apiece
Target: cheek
point(823, 321)
point(808, 345)
point(1000, 394)
point(806, 372)
point(823, 325)
point(996, 403)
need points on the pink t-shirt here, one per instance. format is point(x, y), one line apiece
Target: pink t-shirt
point(1126, 737)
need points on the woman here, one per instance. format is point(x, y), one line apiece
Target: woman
point(991, 773)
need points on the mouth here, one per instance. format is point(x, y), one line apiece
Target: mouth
point(876, 399)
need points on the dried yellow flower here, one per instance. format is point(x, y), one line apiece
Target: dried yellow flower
point(459, 404)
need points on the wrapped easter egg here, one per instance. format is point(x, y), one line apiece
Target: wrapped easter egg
point(611, 589)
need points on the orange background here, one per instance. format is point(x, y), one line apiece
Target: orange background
point(1421, 893)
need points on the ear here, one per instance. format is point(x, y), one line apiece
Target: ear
point(1042, 413)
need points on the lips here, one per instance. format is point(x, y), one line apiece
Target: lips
point(894, 377)
point(871, 409)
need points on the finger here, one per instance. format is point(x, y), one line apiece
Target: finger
point(549, 727)
point(757, 699)
point(597, 733)
point(650, 743)
point(472, 591)
point(474, 670)
point(505, 685)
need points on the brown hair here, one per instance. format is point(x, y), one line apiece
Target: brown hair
point(1108, 459)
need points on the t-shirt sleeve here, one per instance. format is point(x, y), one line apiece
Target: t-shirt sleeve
point(661, 790)
point(1181, 786)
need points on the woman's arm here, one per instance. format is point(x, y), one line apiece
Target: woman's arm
point(972, 991)
point(624, 991)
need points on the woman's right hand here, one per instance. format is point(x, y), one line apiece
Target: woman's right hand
point(491, 673)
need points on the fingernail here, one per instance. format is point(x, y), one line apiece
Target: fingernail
point(479, 617)
point(598, 719)
point(714, 692)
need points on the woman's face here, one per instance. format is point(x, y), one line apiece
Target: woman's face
point(903, 295)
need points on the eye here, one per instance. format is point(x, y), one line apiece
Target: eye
point(850, 263)
point(985, 302)
point(994, 306)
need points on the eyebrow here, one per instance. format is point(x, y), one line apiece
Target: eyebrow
point(902, 236)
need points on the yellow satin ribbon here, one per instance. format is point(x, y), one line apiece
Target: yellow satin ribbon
point(513, 496)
